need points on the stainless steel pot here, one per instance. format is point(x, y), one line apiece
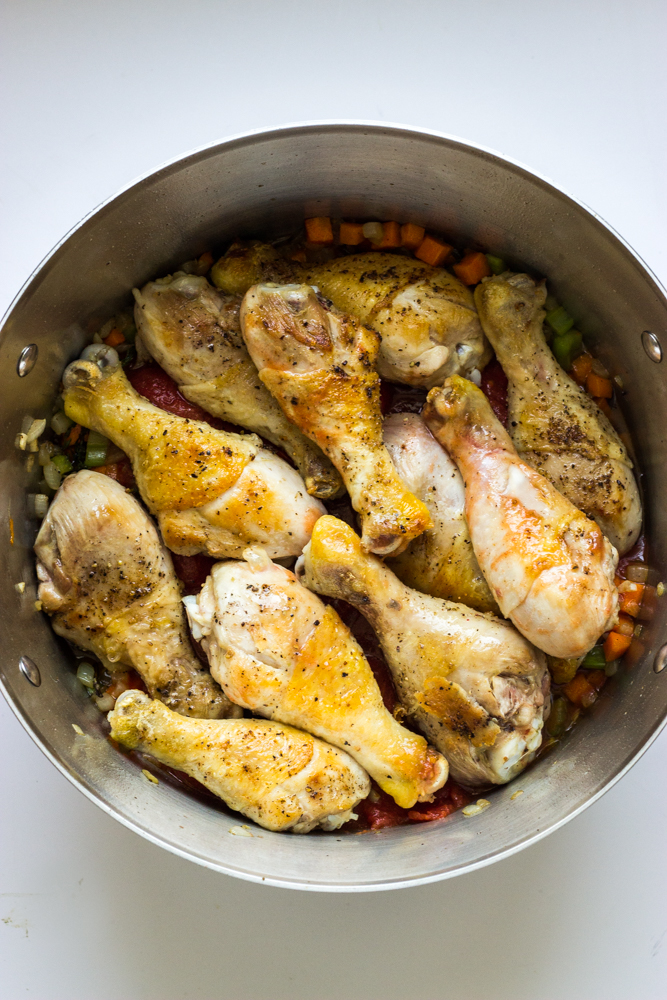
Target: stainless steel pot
point(266, 182)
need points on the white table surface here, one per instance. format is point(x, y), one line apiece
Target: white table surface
point(95, 94)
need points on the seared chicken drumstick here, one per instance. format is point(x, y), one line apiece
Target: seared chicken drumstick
point(549, 567)
point(471, 682)
point(441, 561)
point(211, 491)
point(555, 426)
point(425, 316)
point(193, 332)
point(109, 585)
point(319, 366)
point(277, 649)
point(279, 777)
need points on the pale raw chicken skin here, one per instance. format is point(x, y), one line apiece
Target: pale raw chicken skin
point(194, 333)
point(555, 426)
point(425, 316)
point(440, 562)
point(549, 567)
point(211, 491)
point(474, 686)
point(109, 585)
point(276, 649)
point(319, 366)
point(281, 778)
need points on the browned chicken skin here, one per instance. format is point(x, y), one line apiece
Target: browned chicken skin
point(279, 651)
point(475, 687)
point(555, 426)
point(194, 333)
point(109, 585)
point(425, 316)
point(210, 490)
point(319, 366)
point(281, 778)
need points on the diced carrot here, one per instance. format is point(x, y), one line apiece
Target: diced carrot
point(472, 268)
point(114, 339)
point(604, 406)
point(391, 236)
point(581, 368)
point(206, 260)
point(625, 626)
point(433, 251)
point(351, 233)
point(318, 230)
point(580, 692)
point(73, 435)
point(412, 235)
point(596, 679)
point(299, 256)
point(630, 596)
point(618, 580)
point(615, 645)
point(599, 387)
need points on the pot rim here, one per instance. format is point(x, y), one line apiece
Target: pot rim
point(239, 139)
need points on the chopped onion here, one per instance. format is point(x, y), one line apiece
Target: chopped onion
point(60, 422)
point(373, 231)
point(86, 674)
point(46, 450)
point(475, 808)
point(476, 377)
point(36, 428)
point(52, 476)
point(38, 504)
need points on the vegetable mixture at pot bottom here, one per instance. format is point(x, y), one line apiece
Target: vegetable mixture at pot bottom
point(343, 529)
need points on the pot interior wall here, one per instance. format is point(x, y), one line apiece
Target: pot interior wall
point(268, 183)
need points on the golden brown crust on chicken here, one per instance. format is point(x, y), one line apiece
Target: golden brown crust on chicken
point(194, 333)
point(425, 316)
point(281, 778)
point(549, 567)
point(279, 651)
point(555, 426)
point(212, 491)
point(318, 365)
point(110, 587)
point(475, 687)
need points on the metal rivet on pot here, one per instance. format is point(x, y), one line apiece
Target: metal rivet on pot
point(651, 345)
point(27, 359)
point(660, 661)
point(30, 670)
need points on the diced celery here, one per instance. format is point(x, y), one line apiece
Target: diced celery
point(558, 719)
point(497, 264)
point(559, 320)
point(594, 659)
point(566, 347)
point(96, 450)
point(62, 464)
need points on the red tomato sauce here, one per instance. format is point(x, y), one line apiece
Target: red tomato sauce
point(159, 389)
point(494, 387)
